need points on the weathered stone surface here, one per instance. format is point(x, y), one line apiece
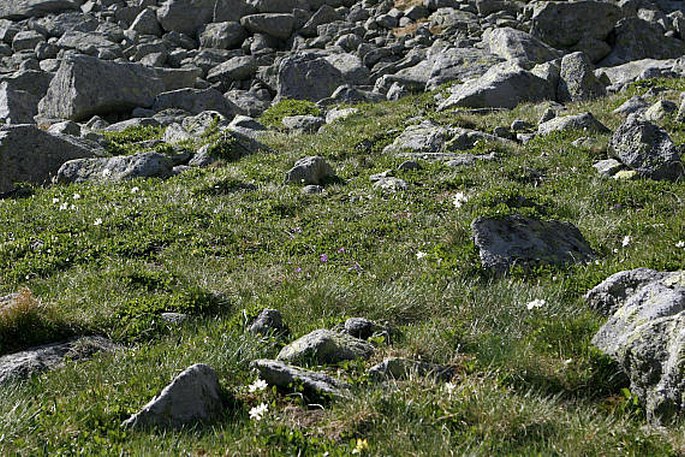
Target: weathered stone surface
point(644, 334)
point(516, 240)
point(635, 104)
point(145, 165)
point(512, 44)
point(195, 101)
point(277, 25)
point(92, 43)
point(397, 368)
point(660, 110)
point(31, 155)
point(583, 121)
point(428, 137)
point(637, 39)
point(361, 328)
point(310, 170)
point(222, 35)
point(577, 80)
point(23, 9)
point(315, 385)
point(16, 106)
point(568, 24)
point(303, 123)
point(85, 86)
point(22, 365)
point(647, 149)
point(269, 321)
point(312, 76)
point(193, 396)
point(325, 346)
point(503, 86)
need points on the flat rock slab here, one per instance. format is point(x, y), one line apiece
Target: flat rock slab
point(85, 86)
point(397, 368)
point(22, 365)
point(314, 385)
point(584, 121)
point(325, 346)
point(23, 9)
point(193, 396)
point(29, 154)
point(645, 334)
point(516, 240)
point(120, 168)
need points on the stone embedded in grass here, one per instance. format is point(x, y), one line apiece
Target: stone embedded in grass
point(269, 321)
point(310, 170)
point(635, 104)
point(29, 154)
point(400, 368)
point(647, 149)
point(325, 346)
point(516, 240)
point(305, 123)
point(120, 168)
point(193, 396)
point(313, 385)
point(391, 184)
point(24, 364)
point(584, 121)
point(361, 328)
point(608, 167)
point(660, 110)
point(644, 334)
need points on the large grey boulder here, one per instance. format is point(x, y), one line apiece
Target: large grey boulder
point(513, 44)
point(24, 364)
point(428, 137)
point(636, 39)
point(24, 9)
point(17, 106)
point(647, 149)
point(188, 16)
point(85, 86)
point(584, 121)
point(28, 154)
point(314, 385)
point(144, 165)
point(325, 346)
point(577, 80)
point(577, 25)
point(193, 396)
point(516, 240)
point(314, 76)
point(310, 170)
point(222, 35)
point(277, 25)
point(644, 334)
point(505, 85)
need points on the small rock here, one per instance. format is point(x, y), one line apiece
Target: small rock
point(634, 104)
point(313, 189)
point(193, 396)
point(584, 121)
point(660, 110)
point(361, 328)
point(608, 168)
point(325, 347)
point(310, 170)
point(409, 165)
point(316, 386)
point(396, 368)
point(268, 322)
point(174, 318)
point(391, 184)
point(303, 123)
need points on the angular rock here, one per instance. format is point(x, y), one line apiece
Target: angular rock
point(516, 240)
point(647, 149)
point(314, 385)
point(223, 35)
point(608, 167)
point(120, 168)
point(512, 44)
point(634, 104)
point(577, 80)
point(269, 321)
point(93, 44)
point(24, 9)
point(85, 86)
point(583, 121)
point(303, 123)
point(503, 86)
point(644, 334)
point(16, 106)
point(637, 39)
point(235, 69)
point(28, 154)
point(660, 110)
point(567, 24)
point(194, 396)
point(361, 328)
point(195, 101)
point(22, 365)
point(310, 170)
point(324, 347)
point(430, 138)
point(397, 368)
point(185, 16)
point(276, 25)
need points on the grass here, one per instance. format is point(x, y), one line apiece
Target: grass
point(225, 242)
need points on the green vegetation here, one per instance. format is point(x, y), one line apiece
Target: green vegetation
point(222, 243)
point(273, 116)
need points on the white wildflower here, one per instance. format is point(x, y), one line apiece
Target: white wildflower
point(459, 199)
point(449, 387)
point(64, 206)
point(680, 244)
point(98, 221)
point(135, 190)
point(55, 201)
point(420, 255)
point(258, 385)
point(257, 413)
point(76, 196)
point(537, 303)
point(626, 241)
